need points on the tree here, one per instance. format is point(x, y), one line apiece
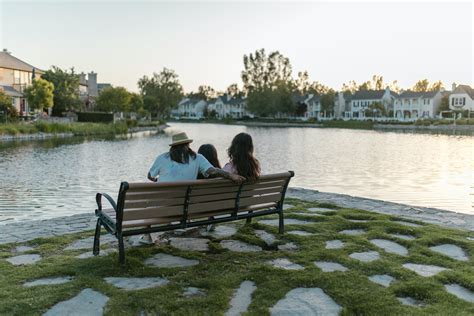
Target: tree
point(161, 92)
point(234, 91)
point(302, 83)
point(268, 83)
point(351, 87)
point(262, 71)
point(136, 103)
point(318, 88)
point(6, 107)
point(395, 87)
point(374, 109)
point(114, 99)
point(327, 102)
point(436, 86)
point(444, 106)
point(40, 94)
point(421, 86)
point(66, 89)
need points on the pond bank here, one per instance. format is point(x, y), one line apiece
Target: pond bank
point(27, 230)
point(42, 136)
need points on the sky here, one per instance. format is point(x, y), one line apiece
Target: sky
point(204, 42)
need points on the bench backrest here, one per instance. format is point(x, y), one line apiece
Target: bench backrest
point(186, 200)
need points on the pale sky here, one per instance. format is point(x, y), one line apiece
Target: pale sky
point(204, 42)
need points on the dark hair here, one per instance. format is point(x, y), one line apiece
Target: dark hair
point(241, 155)
point(210, 153)
point(181, 153)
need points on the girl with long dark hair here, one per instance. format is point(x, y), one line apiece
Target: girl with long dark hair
point(210, 153)
point(242, 161)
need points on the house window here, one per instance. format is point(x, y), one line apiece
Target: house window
point(463, 101)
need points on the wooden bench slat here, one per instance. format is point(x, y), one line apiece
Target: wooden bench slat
point(152, 212)
point(156, 194)
point(197, 191)
point(131, 204)
point(211, 206)
point(212, 197)
point(260, 199)
point(150, 222)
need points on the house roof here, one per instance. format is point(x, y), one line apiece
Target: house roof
point(236, 101)
point(466, 89)
point(11, 62)
point(415, 94)
point(10, 91)
point(314, 98)
point(298, 98)
point(368, 95)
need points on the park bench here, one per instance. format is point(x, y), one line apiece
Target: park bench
point(155, 207)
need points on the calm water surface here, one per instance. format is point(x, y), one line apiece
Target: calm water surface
point(46, 179)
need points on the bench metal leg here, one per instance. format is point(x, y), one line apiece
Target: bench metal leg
point(249, 219)
point(96, 247)
point(121, 250)
point(281, 225)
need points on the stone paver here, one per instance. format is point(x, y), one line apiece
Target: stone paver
point(288, 247)
point(136, 283)
point(220, 231)
point(404, 237)
point(410, 301)
point(334, 244)
point(321, 215)
point(300, 233)
point(390, 246)
point(239, 246)
point(327, 266)
point(407, 223)
point(460, 292)
point(190, 244)
point(266, 237)
point(23, 249)
point(424, 269)
point(353, 232)
point(193, 292)
point(367, 256)
point(87, 243)
point(306, 301)
point(452, 251)
point(320, 209)
point(102, 253)
point(382, 279)
point(24, 259)
point(49, 281)
point(87, 302)
point(241, 299)
point(163, 260)
point(424, 214)
point(358, 220)
point(285, 263)
point(287, 221)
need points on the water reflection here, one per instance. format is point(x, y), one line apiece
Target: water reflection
point(60, 177)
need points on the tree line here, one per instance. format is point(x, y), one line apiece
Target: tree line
point(267, 82)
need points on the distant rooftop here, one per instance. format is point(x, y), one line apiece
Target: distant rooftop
point(7, 60)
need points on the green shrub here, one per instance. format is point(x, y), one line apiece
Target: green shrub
point(131, 123)
point(96, 117)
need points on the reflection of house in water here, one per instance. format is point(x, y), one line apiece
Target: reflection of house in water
point(89, 89)
point(15, 76)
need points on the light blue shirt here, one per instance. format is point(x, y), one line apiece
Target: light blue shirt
point(171, 171)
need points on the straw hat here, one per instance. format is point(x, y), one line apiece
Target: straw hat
point(179, 139)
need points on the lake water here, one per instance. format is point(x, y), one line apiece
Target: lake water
point(45, 179)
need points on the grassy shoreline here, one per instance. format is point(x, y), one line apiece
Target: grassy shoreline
point(221, 271)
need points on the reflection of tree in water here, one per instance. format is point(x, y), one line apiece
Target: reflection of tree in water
point(55, 142)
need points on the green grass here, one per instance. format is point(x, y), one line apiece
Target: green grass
point(78, 129)
point(220, 271)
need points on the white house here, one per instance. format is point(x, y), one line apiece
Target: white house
point(314, 106)
point(361, 100)
point(414, 105)
point(462, 98)
point(227, 106)
point(15, 76)
point(192, 108)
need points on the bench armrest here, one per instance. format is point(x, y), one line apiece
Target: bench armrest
point(98, 199)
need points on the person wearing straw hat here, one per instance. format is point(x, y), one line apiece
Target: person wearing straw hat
point(182, 163)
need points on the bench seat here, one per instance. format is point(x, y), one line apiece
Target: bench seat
point(154, 207)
